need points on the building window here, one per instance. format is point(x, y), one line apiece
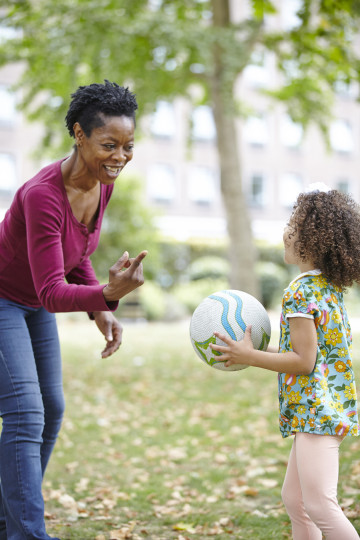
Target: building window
point(256, 130)
point(202, 185)
point(289, 14)
point(203, 126)
point(8, 176)
point(291, 133)
point(289, 188)
point(257, 190)
point(345, 89)
point(256, 73)
point(341, 136)
point(163, 120)
point(7, 106)
point(343, 185)
point(161, 185)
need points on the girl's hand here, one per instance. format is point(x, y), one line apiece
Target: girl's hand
point(111, 328)
point(124, 276)
point(235, 352)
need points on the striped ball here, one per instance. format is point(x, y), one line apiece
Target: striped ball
point(228, 312)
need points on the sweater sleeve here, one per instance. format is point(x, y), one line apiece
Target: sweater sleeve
point(84, 274)
point(43, 215)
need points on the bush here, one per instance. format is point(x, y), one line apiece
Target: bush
point(208, 267)
point(273, 279)
point(157, 304)
point(192, 293)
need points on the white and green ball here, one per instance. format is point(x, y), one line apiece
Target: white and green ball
point(228, 312)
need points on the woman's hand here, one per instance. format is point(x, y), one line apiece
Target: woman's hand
point(112, 330)
point(125, 276)
point(235, 352)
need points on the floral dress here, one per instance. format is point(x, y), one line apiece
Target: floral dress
point(323, 402)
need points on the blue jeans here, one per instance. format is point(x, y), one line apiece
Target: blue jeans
point(31, 407)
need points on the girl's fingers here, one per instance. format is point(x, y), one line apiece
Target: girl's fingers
point(223, 337)
point(219, 348)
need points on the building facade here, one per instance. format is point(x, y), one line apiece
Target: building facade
point(181, 180)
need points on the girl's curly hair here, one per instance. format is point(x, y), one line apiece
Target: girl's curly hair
point(327, 226)
point(91, 103)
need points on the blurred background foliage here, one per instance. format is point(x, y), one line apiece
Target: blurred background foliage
point(179, 274)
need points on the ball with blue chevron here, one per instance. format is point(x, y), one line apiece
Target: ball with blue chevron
point(228, 312)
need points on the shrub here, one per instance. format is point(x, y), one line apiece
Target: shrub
point(192, 293)
point(273, 279)
point(157, 304)
point(208, 267)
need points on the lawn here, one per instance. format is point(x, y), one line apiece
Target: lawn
point(157, 445)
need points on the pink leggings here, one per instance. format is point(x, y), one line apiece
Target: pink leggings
point(310, 489)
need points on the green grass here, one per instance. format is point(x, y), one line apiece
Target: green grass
point(157, 445)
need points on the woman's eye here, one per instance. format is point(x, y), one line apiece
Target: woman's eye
point(109, 146)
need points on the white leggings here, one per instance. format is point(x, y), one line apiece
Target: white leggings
point(310, 489)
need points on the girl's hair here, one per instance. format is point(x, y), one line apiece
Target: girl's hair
point(91, 103)
point(327, 226)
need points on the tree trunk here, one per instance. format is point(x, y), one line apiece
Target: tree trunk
point(241, 248)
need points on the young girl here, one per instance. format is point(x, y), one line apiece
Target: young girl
point(317, 392)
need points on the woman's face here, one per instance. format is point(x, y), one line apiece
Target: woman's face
point(108, 148)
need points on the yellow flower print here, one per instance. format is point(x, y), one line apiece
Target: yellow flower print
point(308, 390)
point(324, 384)
point(342, 352)
point(340, 366)
point(324, 419)
point(303, 380)
point(317, 402)
point(294, 397)
point(336, 317)
point(295, 422)
point(337, 396)
point(348, 376)
point(302, 422)
point(333, 337)
point(294, 286)
point(349, 362)
point(302, 409)
point(312, 422)
point(320, 281)
point(354, 431)
point(350, 391)
point(334, 298)
point(339, 407)
point(332, 404)
point(318, 295)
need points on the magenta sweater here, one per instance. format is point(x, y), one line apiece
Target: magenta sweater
point(42, 244)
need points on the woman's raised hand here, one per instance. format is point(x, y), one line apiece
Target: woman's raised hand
point(125, 276)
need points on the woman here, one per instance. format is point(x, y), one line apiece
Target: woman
point(46, 237)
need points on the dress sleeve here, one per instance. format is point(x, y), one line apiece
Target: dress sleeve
point(301, 302)
point(43, 216)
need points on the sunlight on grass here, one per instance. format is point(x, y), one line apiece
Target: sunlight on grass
point(157, 445)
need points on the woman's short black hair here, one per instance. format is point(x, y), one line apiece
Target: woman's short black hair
point(91, 103)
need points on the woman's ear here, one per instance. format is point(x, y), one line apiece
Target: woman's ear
point(78, 134)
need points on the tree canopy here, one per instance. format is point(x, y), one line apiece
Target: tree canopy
point(161, 48)
point(165, 48)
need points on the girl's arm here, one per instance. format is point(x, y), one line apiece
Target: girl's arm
point(299, 361)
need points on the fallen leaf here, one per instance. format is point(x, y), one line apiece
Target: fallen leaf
point(187, 527)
